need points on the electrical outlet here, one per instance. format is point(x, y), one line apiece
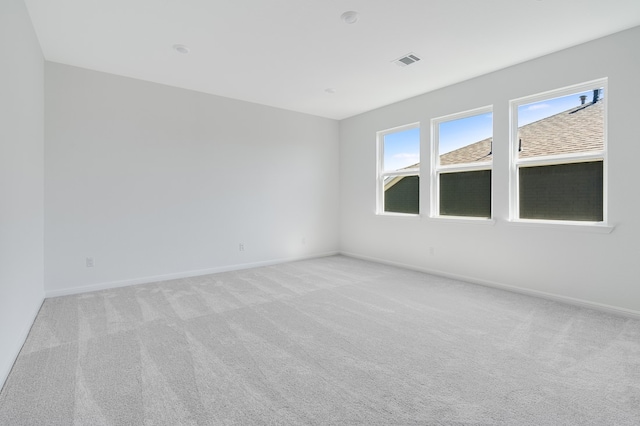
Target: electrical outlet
point(89, 262)
point(241, 247)
point(432, 251)
point(304, 241)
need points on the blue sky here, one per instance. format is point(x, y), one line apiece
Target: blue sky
point(464, 131)
point(402, 149)
point(535, 111)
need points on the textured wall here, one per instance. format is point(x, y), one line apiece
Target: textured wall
point(562, 191)
point(466, 194)
point(404, 196)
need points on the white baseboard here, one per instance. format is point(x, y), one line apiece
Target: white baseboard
point(177, 275)
point(529, 292)
point(5, 370)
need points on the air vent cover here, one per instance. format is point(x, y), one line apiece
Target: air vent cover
point(408, 59)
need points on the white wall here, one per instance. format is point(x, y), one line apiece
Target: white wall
point(21, 180)
point(590, 267)
point(156, 182)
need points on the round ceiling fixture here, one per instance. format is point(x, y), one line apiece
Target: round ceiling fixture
point(350, 17)
point(181, 48)
point(330, 90)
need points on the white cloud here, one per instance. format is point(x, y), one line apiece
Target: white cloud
point(537, 106)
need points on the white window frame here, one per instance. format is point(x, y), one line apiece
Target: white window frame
point(580, 157)
point(382, 174)
point(437, 169)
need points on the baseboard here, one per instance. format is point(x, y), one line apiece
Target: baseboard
point(5, 370)
point(630, 313)
point(185, 274)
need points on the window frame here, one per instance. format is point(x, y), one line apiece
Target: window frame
point(516, 163)
point(436, 169)
point(382, 174)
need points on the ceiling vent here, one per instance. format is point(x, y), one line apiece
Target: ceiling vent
point(408, 59)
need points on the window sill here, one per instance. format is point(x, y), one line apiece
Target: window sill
point(464, 219)
point(592, 227)
point(402, 215)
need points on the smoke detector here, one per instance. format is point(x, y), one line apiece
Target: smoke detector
point(350, 17)
point(406, 60)
point(181, 48)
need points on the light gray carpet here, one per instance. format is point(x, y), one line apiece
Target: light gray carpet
point(331, 341)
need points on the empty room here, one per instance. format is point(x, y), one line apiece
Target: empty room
point(305, 212)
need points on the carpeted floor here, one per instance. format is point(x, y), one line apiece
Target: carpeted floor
point(330, 341)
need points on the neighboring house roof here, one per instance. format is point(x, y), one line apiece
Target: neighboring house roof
point(389, 181)
point(578, 129)
point(474, 153)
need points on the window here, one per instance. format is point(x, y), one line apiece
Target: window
point(399, 170)
point(559, 156)
point(462, 159)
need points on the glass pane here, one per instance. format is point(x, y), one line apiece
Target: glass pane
point(402, 150)
point(562, 192)
point(466, 194)
point(569, 124)
point(466, 140)
point(402, 194)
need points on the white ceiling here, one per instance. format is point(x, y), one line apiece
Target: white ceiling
point(285, 53)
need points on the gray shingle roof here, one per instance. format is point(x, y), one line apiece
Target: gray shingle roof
point(474, 153)
point(578, 129)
